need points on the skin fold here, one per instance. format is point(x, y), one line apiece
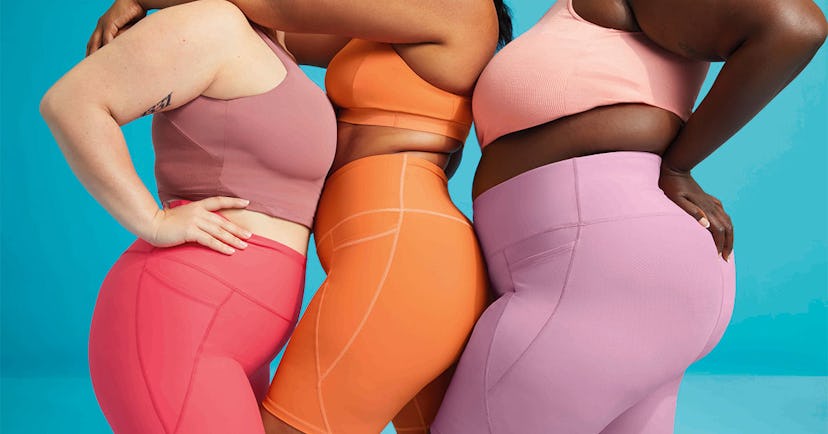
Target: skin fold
point(175, 64)
point(764, 45)
point(446, 43)
point(447, 52)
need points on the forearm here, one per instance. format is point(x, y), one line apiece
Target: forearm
point(753, 75)
point(96, 151)
point(160, 4)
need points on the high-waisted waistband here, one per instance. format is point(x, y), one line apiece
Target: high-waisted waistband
point(571, 192)
point(383, 184)
point(256, 240)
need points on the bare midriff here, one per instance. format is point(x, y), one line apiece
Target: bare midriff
point(623, 127)
point(360, 141)
point(291, 234)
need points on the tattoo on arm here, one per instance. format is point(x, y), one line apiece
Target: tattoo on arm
point(161, 105)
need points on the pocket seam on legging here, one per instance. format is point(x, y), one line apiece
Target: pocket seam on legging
point(569, 247)
point(164, 280)
point(517, 264)
point(140, 354)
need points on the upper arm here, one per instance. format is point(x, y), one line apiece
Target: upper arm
point(446, 42)
point(164, 61)
point(390, 21)
point(313, 49)
point(714, 29)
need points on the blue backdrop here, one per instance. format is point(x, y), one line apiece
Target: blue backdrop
point(57, 243)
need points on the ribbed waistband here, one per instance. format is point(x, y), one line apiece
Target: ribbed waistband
point(572, 192)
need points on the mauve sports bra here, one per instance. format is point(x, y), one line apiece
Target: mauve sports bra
point(273, 149)
point(566, 65)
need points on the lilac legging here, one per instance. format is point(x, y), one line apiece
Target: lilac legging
point(607, 291)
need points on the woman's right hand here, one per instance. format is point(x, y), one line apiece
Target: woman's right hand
point(119, 17)
point(197, 222)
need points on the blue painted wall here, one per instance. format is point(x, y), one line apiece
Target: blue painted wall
point(57, 243)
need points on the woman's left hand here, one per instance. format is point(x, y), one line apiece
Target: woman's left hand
point(117, 19)
point(682, 189)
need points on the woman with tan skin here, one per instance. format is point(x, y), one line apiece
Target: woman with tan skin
point(190, 316)
point(406, 281)
point(596, 236)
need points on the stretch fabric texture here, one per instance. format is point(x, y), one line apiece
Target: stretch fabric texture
point(607, 291)
point(182, 337)
point(405, 284)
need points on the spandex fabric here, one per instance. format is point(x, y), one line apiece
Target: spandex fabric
point(370, 84)
point(566, 65)
point(405, 284)
point(273, 149)
point(607, 291)
point(182, 337)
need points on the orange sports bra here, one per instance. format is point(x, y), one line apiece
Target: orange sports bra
point(370, 84)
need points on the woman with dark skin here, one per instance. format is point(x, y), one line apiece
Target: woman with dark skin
point(406, 281)
point(607, 291)
point(764, 44)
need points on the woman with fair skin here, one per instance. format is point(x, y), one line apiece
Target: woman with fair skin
point(613, 267)
point(190, 316)
point(406, 281)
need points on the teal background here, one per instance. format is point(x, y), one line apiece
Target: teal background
point(57, 244)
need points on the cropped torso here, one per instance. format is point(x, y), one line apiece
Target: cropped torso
point(568, 87)
point(273, 149)
point(383, 106)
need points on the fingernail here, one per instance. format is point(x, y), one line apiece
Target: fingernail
point(231, 251)
point(248, 234)
point(246, 202)
point(704, 222)
point(243, 245)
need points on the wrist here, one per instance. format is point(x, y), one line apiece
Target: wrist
point(147, 228)
point(668, 169)
point(140, 4)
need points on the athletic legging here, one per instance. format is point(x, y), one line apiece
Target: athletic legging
point(182, 337)
point(405, 285)
point(607, 290)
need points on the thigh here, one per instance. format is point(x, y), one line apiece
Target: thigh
point(629, 319)
point(418, 414)
point(173, 347)
point(389, 319)
point(220, 400)
point(114, 364)
point(146, 335)
point(654, 414)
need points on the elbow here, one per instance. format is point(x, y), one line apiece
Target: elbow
point(802, 27)
point(820, 30)
point(49, 106)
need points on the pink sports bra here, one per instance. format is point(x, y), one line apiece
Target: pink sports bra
point(566, 65)
point(274, 149)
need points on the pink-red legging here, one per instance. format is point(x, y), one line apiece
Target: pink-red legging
point(182, 337)
point(607, 290)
